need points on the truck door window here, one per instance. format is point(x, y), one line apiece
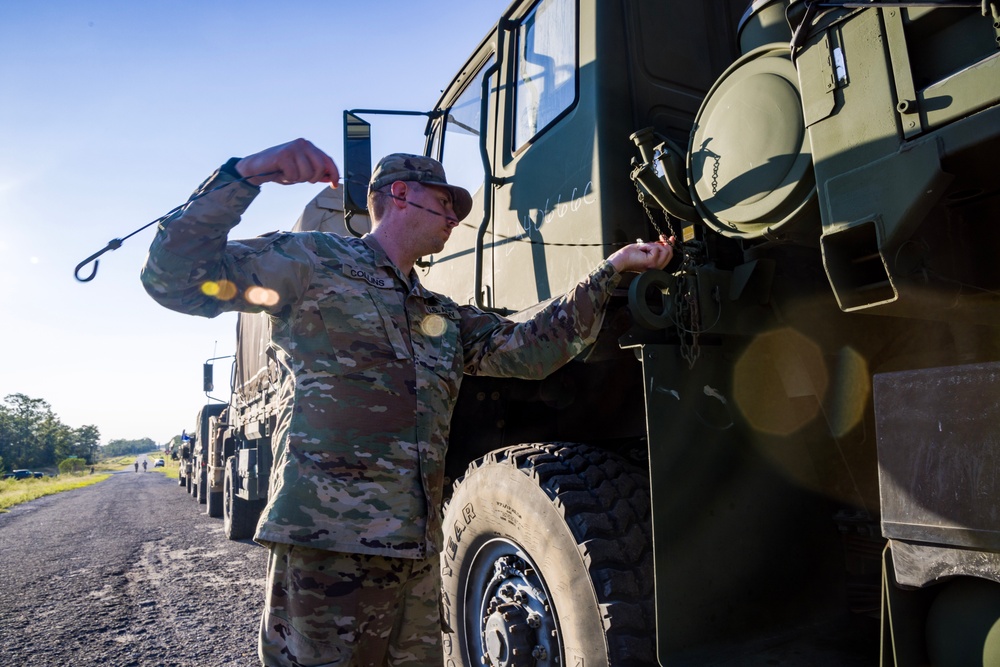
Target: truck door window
point(461, 157)
point(546, 67)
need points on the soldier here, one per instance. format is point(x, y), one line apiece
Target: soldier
point(374, 365)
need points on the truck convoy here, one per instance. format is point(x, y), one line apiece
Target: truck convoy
point(783, 450)
point(193, 459)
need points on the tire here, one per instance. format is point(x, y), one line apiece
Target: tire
point(239, 516)
point(214, 506)
point(548, 551)
point(180, 480)
point(962, 623)
point(202, 493)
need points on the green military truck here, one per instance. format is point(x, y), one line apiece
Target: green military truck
point(784, 449)
point(195, 471)
point(192, 456)
point(228, 459)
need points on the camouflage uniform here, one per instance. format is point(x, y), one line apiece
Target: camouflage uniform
point(326, 607)
point(375, 362)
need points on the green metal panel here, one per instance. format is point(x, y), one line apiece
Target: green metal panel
point(743, 546)
point(818, 87)
point(886, 158)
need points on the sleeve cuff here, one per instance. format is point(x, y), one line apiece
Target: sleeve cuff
point(606, 275)
point(229, 168)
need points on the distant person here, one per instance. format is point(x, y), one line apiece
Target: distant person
point(137, 466)
point(374, 360)
point(144, 465)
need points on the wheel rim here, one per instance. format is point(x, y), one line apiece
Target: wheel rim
point(510, 620)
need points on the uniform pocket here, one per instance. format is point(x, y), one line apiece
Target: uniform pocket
point(360, 332)
point(437, 347)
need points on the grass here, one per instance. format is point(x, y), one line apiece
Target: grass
point(169, 470)
point(17, 491)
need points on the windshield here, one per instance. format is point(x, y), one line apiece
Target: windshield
point(461, 158)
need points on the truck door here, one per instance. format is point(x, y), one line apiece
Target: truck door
point(545, 159)
point(510, 132)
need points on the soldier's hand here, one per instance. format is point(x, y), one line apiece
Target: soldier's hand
point(298, 161)
point(644, 256)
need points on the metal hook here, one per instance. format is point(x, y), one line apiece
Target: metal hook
point(113, 244)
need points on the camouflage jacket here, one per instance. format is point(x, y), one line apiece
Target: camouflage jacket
point(375, 362)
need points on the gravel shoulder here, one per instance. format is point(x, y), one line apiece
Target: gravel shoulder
point(129, 571)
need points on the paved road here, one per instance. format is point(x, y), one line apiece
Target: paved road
point(127, 572)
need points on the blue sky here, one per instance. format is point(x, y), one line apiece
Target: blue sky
point(111, 112)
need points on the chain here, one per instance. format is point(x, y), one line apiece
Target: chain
point(649, 212)
point(686, 312)
point(686, 301)
point(715, 174)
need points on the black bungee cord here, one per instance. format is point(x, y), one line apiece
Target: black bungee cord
point(114, 244)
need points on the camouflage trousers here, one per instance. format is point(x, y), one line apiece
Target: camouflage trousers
point(326, 609)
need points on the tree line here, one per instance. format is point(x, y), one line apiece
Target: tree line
point(127, 447)
point(32, 436)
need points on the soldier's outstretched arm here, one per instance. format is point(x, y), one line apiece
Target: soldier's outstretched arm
point(642, 256)
point(556, 333)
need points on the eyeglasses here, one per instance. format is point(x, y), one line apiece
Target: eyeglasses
point(416, 205)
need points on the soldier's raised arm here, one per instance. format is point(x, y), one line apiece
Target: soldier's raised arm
point(298, 161)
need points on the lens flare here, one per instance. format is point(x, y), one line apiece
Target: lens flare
point(433, 325)
point(780, 381)
point(849, 392)
point(261, 296)
point(222, 290)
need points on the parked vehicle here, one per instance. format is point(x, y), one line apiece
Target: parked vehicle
point(23, 474)
point(198, 445)
point(785, 446)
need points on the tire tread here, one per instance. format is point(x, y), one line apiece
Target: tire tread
point(605, 503)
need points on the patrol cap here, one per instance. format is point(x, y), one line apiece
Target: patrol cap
point(422, 169)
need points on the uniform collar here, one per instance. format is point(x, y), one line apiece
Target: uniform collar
point(412, 281)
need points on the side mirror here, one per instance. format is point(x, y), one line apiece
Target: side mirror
point(357, 163)
point(207, 383)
